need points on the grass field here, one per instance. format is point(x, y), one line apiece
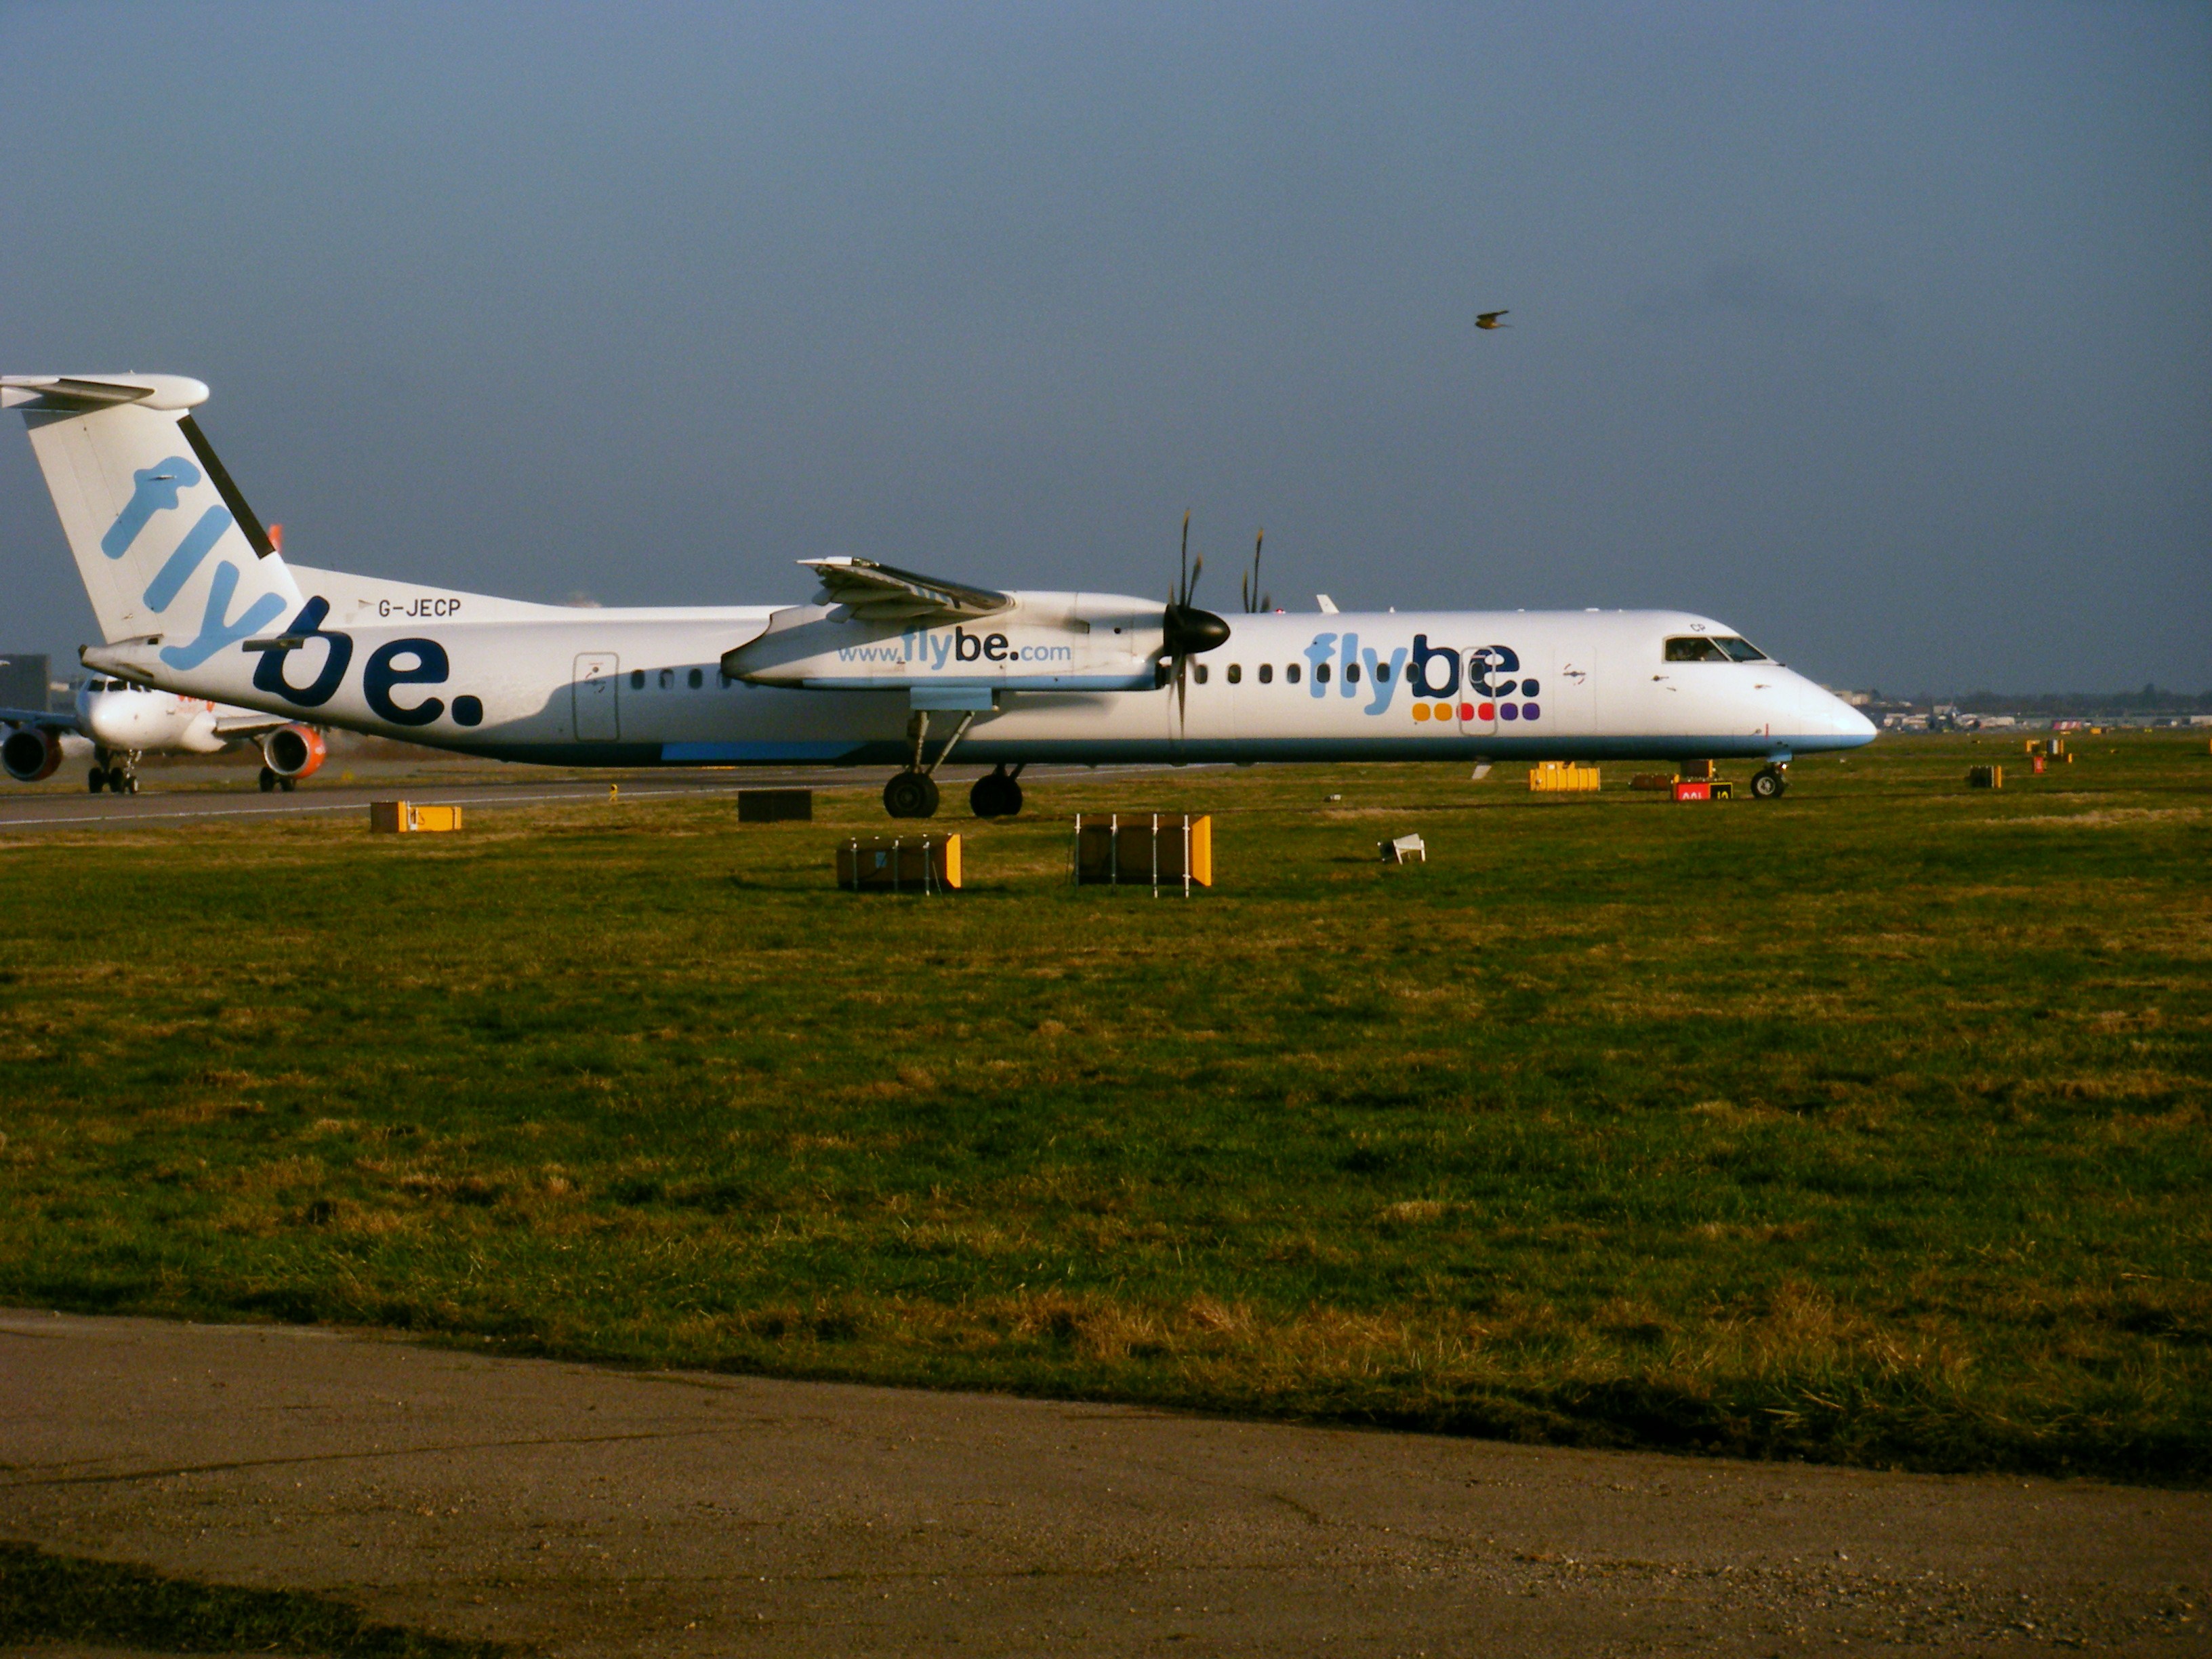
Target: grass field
point(1866, 1126)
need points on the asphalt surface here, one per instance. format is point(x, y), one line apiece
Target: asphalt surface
point(182, 793)
point(600, 1511)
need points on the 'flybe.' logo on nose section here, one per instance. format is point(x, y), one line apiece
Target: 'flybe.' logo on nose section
point(1489, 688)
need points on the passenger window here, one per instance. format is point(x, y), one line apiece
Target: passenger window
point(1266, 673)
point(1381, 673)
point(1693, 648)
point(637, 680)
point(698, 679)
point(1351, 673)
point(1321, 673)
point(1237, 673)
point(722, 678)
point(1528, 688)
point(1290, 672)
point(1741, 650)
point(1202, 673)
point(668, 679)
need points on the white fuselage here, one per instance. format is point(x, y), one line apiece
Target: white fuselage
point(517, 681)
point(193, 596)
point(125, 718)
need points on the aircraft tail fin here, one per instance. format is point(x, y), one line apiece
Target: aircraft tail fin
point(162, 537)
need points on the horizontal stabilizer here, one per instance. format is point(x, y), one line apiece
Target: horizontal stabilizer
point(882, 593)
point(244, 724)
point(75, 394)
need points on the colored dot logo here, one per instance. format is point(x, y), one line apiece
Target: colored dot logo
point(1471, 712)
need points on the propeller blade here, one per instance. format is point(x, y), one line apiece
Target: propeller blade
point(1258, 537)
point(1183, 592)
point(1196, 569)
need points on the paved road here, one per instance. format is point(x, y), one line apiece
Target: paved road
point(26, 810)
point(599, 1511)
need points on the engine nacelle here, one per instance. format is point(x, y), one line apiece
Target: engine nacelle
point(293, 751)
point(30, 754)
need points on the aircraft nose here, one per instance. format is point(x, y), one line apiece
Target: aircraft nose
point(104, 725)
point(1842, 721)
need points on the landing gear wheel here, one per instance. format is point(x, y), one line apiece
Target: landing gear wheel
point(1769, 783)
point(911, 795)
point(268, 780)
point(287, 785)
point(995, 795)
point(126, 785)
point(96, 779)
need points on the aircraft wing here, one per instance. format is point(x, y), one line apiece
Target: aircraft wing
point(47, 719)
point(882, 593)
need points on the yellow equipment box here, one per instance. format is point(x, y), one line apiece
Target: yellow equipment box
point(1985, 777)
point(900, 864)
point(1562, 775)
point(400, 817)
point(1143, 849)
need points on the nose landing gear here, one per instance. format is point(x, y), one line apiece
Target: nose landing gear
point(1770, 782)
point(995, 795)
point(118, 774)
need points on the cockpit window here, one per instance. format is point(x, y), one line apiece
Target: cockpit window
point(1721, 647)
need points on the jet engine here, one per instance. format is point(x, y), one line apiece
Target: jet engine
point(30, 753)
point(293, 752)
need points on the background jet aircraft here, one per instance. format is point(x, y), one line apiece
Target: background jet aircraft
point(193, 596)
point(126, 722)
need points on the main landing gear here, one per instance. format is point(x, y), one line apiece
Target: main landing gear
point(116, 774)
point(996, 795)
point(1770, 782)
point(271, 779)
point(912, 793)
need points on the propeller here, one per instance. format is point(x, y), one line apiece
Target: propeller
point(1186, 631)
point(1249, 587)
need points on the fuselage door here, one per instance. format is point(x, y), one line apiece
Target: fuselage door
point(1569, 697)
point(1478, 707)
point(595, 690)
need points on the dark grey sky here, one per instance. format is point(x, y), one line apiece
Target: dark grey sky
point(1883, 332)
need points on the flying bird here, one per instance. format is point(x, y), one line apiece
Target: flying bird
point(1489, 320)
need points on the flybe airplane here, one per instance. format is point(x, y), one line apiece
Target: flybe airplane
point(881, 667)
point(126, 722)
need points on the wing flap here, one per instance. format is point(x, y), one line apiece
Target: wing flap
point(884, 592)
